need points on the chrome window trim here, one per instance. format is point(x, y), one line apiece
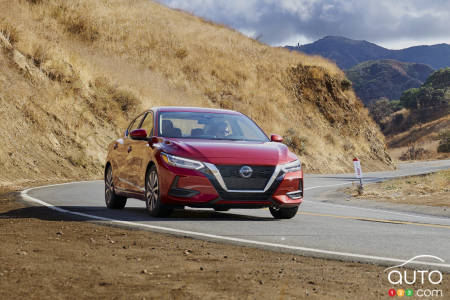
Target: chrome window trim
point(218, 176)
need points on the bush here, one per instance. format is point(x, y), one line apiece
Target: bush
point(380, 109)
point(296, 142)
point(444, 143)
point(126, 99)
point(395, 105)
point(346, 84)
point(409, 98)
point(413, 152)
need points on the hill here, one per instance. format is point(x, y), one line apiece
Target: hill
point(348, 53)
point(415, 123)
point(386, 78)
point(416, 106)
point(73, 74)
point(345, 52)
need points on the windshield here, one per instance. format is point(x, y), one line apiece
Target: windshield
point(212, 126)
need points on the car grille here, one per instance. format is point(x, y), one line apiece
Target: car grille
point(233, 180)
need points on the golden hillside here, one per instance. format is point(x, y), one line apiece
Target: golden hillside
point(73, 73)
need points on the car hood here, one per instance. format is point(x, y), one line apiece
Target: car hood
point(230, 152)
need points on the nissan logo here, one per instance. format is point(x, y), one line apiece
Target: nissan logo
point(246, 172)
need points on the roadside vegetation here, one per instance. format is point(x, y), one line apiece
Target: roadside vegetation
point(417, 123)
point(420, 105)
point(73, 73)
point(431, 189)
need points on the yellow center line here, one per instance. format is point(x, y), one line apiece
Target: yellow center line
point(374, 220)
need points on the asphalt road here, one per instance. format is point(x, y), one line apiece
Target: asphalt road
point(321, 229)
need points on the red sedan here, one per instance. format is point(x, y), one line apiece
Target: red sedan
point(172, 157)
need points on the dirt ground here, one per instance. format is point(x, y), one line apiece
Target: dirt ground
point(44, 254)
point(430, 190)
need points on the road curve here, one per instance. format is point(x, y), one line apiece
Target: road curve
point(321, 229)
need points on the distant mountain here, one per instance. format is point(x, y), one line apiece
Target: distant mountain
point(386, 78)
point(348, 53)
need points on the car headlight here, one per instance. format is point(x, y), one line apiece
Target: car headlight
point(292, 166)
point(181, 162)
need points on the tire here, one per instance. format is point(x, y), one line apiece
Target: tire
point(112, 200)
point(152, 195)
point(283, 212)
point(221, 209)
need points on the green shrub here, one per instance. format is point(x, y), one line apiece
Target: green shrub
point(395, 105)
point(409, 98)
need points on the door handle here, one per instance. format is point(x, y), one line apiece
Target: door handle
point(115, 146)
point(129, 149)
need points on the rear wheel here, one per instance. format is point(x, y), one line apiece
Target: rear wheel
point(152, 195)
point(283, 212)
point(112, 200)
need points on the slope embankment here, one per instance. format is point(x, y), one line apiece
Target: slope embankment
point(73, 73)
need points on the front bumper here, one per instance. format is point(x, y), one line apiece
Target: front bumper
point(206, 188)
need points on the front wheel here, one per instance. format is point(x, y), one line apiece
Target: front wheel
point(221, 209)
point(153, 196)
point(283, 212)
point(112, 200)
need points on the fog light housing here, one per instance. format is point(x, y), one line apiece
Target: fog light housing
point(295, 194)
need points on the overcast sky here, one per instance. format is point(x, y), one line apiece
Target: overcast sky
point(390, 23)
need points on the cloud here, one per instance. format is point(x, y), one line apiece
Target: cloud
point(280, 21)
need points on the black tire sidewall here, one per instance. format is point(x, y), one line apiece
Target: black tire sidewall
point(158, 206)
point(115, 201)
point(284, 212)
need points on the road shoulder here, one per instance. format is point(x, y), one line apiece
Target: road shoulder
point(45, 253)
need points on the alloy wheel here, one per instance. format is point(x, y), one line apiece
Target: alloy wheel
point(109, 187)
point(152, 190)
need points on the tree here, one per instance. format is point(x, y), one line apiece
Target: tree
point(409, 98)
point(380, 109)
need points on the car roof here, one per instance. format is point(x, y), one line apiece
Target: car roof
point(195, 109)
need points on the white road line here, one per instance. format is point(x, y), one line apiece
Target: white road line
point(324, 186)
point(379, 210)
point(29, 198)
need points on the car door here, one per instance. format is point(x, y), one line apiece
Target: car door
point(140, 155)
point(120, 148)
point(130, 160)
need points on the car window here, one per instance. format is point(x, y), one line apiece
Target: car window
point(134, 124)
point(147, 124)
point(201, 125)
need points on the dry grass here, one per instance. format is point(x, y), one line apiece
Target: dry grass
point(76, 71)
point(420, 136)
point(432, 189)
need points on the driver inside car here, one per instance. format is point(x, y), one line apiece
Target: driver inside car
point(222, 130)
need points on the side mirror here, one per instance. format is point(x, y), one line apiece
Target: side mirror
point(153, 140)
point(138, 134)
point(276, 138)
